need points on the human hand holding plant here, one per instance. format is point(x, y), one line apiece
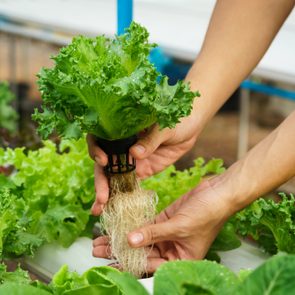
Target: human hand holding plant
point(185, 230)
point(154, 151)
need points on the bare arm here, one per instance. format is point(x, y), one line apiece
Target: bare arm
point(265, 167)
point(239, 34)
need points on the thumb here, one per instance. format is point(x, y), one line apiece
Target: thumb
point(149, 143)
point(153, 233)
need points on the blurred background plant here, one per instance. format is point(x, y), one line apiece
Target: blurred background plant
point(8, 115)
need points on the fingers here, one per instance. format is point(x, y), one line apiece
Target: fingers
point(100, 241)
point(101, 182)
point(153, 233)
point(101, 247)
point(95, 152)
point(101, 189)
point(149, 143)
point(102, 251)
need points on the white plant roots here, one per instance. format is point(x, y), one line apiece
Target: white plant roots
point(129, 207)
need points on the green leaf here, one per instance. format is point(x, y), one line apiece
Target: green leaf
point(274, 277)
point(96, 280)
point(181, 277)
point(65, 280)
point(191, 289)
point(101, 275)
point(93, 290)
point(127, 284)
point(226, 239)
point(60, 223)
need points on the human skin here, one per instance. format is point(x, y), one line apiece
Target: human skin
point(239, 34)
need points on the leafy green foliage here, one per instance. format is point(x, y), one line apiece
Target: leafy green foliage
point(171, 184)
point(18, 276)
point(96, 280)
point(8, 116)
point(274, 277)
point(18, 283)
point(14, 225)
point(108, 88)
point(186, 277)
point(16, 289)
point(48, 197)
point(226, 239)
point(271, 223)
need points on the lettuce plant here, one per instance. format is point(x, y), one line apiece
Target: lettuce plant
point(47, 198)
point(270, 223)
point(109, 88)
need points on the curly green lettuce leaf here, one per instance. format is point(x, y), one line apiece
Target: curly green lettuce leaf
point(17, 276)
point(108, 87)
point(60, 223)
point(47, 198)
point(270, 223)
point(15, 238)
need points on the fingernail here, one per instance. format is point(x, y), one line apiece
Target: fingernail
point(97, 160)
point(101, 207)
point(136, 238)
point(139, 149)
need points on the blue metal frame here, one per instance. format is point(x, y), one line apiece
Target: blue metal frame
point(267, 89)
point(124, 15)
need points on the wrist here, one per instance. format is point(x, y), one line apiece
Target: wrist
point(233, 193)
point(224, 193)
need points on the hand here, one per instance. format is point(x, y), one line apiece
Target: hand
point(185, 230)
point(154, 151)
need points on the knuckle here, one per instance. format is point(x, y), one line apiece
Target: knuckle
point(152, 234)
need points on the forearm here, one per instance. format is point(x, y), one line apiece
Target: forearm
point(265, 167)
point(239, 34)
